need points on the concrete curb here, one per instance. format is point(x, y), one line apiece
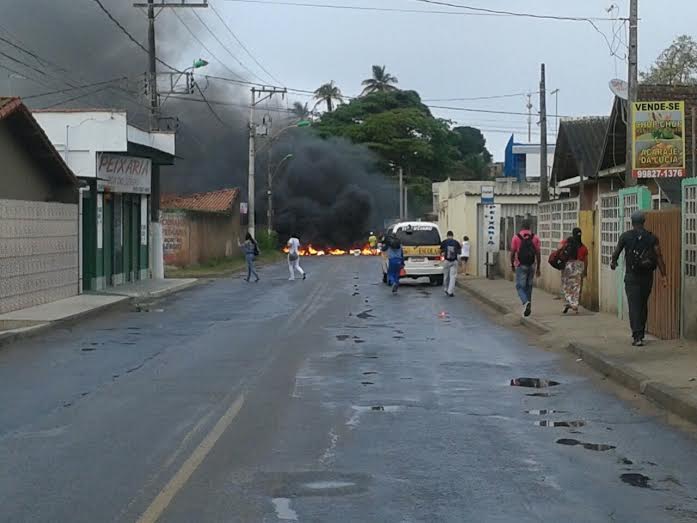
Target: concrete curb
point(607, 366)
point(669, 398)
point(9, 337)
point(171, 290)
point(673, 400)
point(531, 323)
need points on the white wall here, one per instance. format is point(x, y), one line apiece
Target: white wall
point(532, 165)
point(88, 132)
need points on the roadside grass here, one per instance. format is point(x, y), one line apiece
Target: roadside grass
point(221, 267)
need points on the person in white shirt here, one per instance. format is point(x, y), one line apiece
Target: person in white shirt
point(294, 258)
point(465, 254)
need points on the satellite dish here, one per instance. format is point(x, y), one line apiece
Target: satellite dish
point(620, 88)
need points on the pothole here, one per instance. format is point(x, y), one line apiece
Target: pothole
point(535, 383)
point(588, 446)
point(636, 480)
point(547, 423)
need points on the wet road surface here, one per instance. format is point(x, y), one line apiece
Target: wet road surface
point(324, 400)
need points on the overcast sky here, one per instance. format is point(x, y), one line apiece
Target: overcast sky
point(452, 56)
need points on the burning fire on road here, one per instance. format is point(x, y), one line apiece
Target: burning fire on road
point(309, 250)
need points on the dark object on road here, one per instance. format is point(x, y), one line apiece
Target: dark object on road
point(547, 423)
point(636, 480)
point(367, 383)
point(365, 314)
point(588, 446)
point(535, 383)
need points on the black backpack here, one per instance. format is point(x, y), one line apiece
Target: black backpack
point(527, 254)
point(641, 255)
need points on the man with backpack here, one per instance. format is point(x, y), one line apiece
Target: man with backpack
point(525, 263)
point(642, 256)
point(450, 250)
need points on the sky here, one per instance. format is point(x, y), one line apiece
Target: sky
point(442, 56)
point(453, 56)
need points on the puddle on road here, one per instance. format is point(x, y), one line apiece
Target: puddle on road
point(355, 294)
point(369, 372)
point(636, 480)
point(553, 424)
point(365, 314)
point(342, 337)
point(367, 383)
point(541, 394)
point(398, 337)
point(625, 461)
point(87, 349)
point(358, 341)
point(544, 412)
point(535, 383)
point(588, 446)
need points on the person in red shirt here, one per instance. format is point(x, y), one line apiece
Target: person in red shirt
point(525, 263)
point(575, 270)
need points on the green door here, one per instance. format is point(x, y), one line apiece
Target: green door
point(89, 240)
point(135, 236)
point(127, 246)
point(108, 240)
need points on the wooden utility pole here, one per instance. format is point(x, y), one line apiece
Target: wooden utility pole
point(156, 246)
point(544, 186)
point(633, 81)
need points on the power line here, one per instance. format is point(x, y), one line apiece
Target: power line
point(225, 47)
point(86, 86)
point(21, 62)
point(242, 45)
point(514, 13)
point(359, 8)
point(130, 36)
point(474, 98)
point(83, 95)
point(210, 107)
point(202, 44)
point(491, 111)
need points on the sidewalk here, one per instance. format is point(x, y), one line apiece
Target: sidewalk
point(33, 320)
point(664, 371)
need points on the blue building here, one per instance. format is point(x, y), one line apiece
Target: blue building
point(522, 160)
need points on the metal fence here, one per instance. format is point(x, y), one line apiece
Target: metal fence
point(609, 226)
point(556, 221)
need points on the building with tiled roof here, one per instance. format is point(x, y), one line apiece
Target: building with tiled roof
point(201, 227)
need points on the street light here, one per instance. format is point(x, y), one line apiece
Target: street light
point(269, 192)
point(198, 63)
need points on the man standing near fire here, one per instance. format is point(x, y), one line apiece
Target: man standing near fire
point(373, 243)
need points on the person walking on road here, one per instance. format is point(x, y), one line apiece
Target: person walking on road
point(575, 269)
point(642, 255)
point(294, 258)
point(395, 261)
point(525, 263)
point(450, 249)
point(251, 251)
point(465, 254)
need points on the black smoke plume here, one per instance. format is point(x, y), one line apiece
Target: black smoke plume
point(331, 192)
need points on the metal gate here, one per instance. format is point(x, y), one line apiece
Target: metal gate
point(609, 234)
point(556, 221)
point(689, 258)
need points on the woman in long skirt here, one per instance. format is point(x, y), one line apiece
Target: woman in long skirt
point(574, 271)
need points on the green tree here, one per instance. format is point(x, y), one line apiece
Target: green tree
point(328, 93)
point(381, 81)
point(474, 158)
point(300, 110)
point(676, 65)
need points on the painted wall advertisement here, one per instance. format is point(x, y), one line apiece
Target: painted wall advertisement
point(492, 226)
point(123, 174)
point(658, 139)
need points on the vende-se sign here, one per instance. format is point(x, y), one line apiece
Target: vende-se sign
point(123, 174)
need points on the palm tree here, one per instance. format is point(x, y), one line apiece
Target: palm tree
point(381, 81)
point(300, 110)
point(328, 93)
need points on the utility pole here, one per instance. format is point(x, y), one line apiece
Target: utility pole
point(406, 202)
point(633, 82)
point(402, 210)
point(694, 142)
point(259, 94)
point(269, 195)
point(556, 109)
point(529, 108)
point(544, 188)
point(156, 242)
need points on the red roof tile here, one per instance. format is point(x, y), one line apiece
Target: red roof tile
point(215, 201)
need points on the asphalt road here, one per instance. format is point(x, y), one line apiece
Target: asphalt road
point(326, 400)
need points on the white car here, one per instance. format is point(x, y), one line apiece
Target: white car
point(421, 245)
